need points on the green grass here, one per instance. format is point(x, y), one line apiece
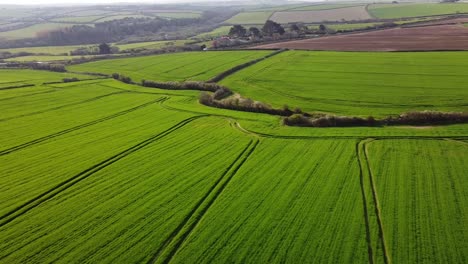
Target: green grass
point(178, 15)
point(32, 31)
point(116, 17)
point(414, 10)
point(321, 7)
point(45, 58)
point(351, 83)
point(80, 19)
point(421, 188)
point(248, 18)
point(175, 67)
point(20, 77)
point(217, 32)
point(151, 44)
point(290, 198)
point(52, 50)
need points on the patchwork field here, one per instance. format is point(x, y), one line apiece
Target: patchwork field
point(98, 171)
point(338, 14)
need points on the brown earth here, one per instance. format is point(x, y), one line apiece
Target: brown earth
point(425, 38)
point(338, 14)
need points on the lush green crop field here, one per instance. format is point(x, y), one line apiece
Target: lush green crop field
point(21, 77)
point(421, 186)
point(99, 171)
point(172, 67)
point(279, 200)
point(414, 10)
point(364, 84)
point(259, 17)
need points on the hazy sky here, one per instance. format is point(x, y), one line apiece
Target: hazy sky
point(42, 2)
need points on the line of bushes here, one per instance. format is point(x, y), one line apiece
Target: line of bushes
point(237, 68)
point(64, 80)
point(411, 118)
point(242, 104)
point(219, 91)
point(17, 86)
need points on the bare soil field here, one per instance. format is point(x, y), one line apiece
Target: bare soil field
point(348, 13)
point(425, 38)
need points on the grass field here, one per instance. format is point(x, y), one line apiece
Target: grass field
point(414, 10)
point(178, 14)
point(425, 222)
point(31, 31)
point(21, 77)
point(98, 171)
point(217, 32)
point(322, 7)
point(364, 84)
point(176, 67)
point(248, 18)
point(353, 13)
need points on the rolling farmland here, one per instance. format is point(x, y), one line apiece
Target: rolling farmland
point(99, 171)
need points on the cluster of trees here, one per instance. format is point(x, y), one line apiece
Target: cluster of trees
point(101, 49)
point(241, 104)
point(122, 78)
point(411, 118)
point(270, 28)
point(189, 85)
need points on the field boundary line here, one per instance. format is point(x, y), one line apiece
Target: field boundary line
point(66, 131)
point(17, 87)
point(27, 95)
point(456, 141)
point(364, 202)
point(62, 106)
point(378, 211)
point(223, 75)
point(38, 200)
point(169, 248)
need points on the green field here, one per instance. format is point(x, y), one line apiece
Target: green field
point(249, 18)
point(172, 67)
point(32, 31)
point(217, 32)
point(363, 84)
point(177, 14)
point(98, 171)
point(415, 10)
point(321, 7)
point(412, 216)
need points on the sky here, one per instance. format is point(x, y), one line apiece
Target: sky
point(62, 2)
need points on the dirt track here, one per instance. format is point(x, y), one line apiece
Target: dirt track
point(439, 37)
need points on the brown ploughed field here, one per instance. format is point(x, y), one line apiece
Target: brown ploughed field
point(422, 38)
